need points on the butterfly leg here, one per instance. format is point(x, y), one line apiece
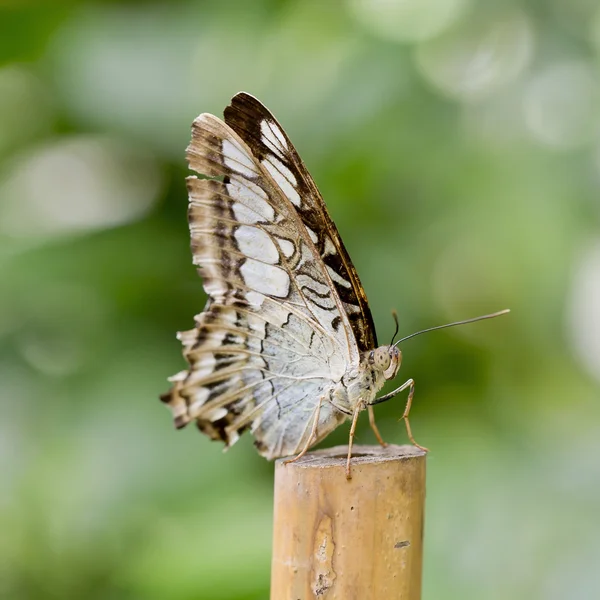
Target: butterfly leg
point(313, 431)
point(411, 385)
point(357, 410)
point(411, 393)
point(374, 426)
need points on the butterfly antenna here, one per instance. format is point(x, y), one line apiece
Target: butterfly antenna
point(395, 317)
point(496, 314)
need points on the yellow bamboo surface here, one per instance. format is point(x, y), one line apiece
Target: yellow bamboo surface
point(358, 539)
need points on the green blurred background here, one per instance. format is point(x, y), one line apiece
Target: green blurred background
point(457, 144)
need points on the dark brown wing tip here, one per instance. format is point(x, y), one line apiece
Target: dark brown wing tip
point(244, 96)
point(244, 99)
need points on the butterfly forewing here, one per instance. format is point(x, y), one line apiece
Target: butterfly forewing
point(271, 146)
point(276, 334)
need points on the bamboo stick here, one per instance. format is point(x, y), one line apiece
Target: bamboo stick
point(358, 539)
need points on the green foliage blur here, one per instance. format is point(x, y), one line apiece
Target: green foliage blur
point(457, 144)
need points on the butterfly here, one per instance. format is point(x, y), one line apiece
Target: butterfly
point(285, 346)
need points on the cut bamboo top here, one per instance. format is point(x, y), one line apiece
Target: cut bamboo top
point(336, 456)
point(349, 539)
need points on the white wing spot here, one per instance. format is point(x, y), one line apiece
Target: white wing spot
point(284, 178)
point(312, 234)
point(351, 308)
point(236, 159)
point(253, 198)
point(198, 399)
point(256, 243)
point(205, 365)
point(287, 247)
point(335, 276)
point(265, 279)
point(329, 247)
point(246, 215)
point(273, 136)
point(214, 414)
point(214, 287)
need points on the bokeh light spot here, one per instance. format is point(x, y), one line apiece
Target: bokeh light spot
point(584, 310)
point(407, 20)
point(561, 105)
point(474, 60)
point(77, 184)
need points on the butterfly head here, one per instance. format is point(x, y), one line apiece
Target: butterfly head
point(386, 359)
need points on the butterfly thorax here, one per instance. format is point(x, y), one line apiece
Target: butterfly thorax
point(361, 384)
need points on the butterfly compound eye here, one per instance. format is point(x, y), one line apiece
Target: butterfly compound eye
point(382, 359)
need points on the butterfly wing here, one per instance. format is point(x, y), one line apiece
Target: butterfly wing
point(255, 124)
point(274, 337)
